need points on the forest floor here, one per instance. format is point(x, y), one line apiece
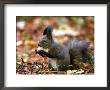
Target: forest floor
point(30, 29)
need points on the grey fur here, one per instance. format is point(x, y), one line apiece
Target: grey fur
point(59, 52)
point(61, 55)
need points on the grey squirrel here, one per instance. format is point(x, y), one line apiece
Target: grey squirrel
point(61, 56)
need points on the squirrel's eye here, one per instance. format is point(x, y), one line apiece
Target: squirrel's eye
point(44, 41)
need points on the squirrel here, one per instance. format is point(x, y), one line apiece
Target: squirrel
point(65, 55)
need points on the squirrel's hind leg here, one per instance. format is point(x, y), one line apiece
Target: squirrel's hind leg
point(52, 64)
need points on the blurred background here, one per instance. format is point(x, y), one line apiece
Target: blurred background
point(29, 29)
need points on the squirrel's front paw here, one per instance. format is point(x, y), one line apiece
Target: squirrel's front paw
point(42, 53)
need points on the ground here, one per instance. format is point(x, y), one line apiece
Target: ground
point(30, 29)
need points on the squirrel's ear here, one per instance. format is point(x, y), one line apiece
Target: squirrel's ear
point(48, 32)
point(48, 29)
